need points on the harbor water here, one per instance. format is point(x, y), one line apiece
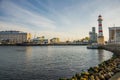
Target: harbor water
point(47, 62)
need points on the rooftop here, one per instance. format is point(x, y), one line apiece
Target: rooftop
point(11, 32)
point(113, 28)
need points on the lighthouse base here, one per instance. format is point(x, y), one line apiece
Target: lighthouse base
point(100, 40)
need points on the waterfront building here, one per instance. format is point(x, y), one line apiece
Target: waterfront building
point(55, 40)
point(93, 36)
point(12, 37)
point(40, 40)
point(100, 39)
point(114, 35)
point(76, 42)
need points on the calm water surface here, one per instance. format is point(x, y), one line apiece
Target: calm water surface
point(47, 62)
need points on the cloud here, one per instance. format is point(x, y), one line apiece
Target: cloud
point(64, 19)
point(10, 26)
point(23, 16)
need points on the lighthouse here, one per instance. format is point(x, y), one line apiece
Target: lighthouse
point(100, 39)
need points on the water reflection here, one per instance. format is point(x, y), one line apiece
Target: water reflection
point(28, 52)
point(25, 51)
point(101, 55)
point(47, 62)
point(49, 51)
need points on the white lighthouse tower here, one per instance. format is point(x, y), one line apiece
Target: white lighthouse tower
point(100, 39)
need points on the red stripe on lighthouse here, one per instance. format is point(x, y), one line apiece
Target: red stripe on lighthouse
point(100, 30)
point(100, 24)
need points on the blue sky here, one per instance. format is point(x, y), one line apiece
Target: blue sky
point(66, 19)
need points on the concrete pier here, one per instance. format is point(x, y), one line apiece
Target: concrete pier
point(115, 48)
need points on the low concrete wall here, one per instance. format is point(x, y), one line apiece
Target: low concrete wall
point(113, 48)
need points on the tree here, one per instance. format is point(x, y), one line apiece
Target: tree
point(87, 38)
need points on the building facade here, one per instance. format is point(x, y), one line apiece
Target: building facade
point(40, 40)
point(13, 37)
point(114, 35)
point(93, 36)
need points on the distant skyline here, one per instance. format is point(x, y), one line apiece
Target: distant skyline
point(66, 19)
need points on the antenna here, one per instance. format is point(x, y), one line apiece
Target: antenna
point(114, 25)
point(1, 28)
point(115, 34)
point(35, 35)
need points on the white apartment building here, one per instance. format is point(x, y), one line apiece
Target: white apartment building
point(40, 40)
point(13, 37)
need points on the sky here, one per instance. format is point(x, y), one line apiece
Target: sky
point(66, 19)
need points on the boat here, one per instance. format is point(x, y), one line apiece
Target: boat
point(93, 46)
